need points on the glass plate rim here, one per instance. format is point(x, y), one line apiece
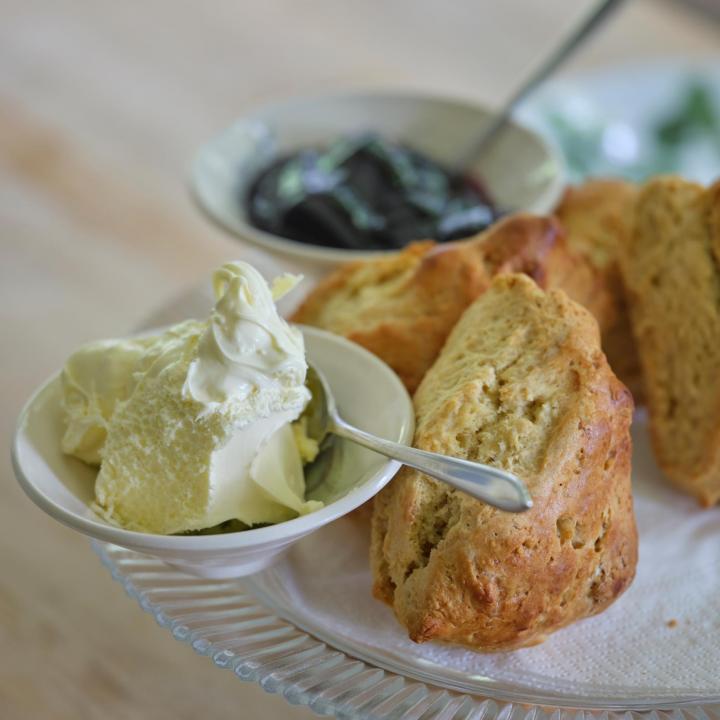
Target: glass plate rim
point(489, 688)
point(396, 695)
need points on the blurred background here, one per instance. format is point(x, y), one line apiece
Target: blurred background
point(102, 106)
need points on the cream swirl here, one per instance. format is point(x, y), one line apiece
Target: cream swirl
point(246, 344)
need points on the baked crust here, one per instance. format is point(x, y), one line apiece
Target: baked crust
point(522, 384)
point(402, 306)
point(597, 217)
point(671, 270)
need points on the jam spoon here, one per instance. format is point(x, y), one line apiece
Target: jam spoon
point(493, 486)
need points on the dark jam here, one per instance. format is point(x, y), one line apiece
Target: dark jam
point(365, 193)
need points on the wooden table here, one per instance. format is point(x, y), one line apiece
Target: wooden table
point(101, 107)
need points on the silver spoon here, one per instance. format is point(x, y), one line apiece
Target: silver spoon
point(496, 487)
point(584, 29)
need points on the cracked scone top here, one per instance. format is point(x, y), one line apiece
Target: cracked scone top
point(402, 306)
point(521, 384)
point(198, 432)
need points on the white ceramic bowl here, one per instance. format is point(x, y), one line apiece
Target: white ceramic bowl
point(369, 395)
point(520, 169)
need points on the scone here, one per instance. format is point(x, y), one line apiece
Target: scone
point(521, 384)
point(402, 306)
point(597, 217)
point(672, 274)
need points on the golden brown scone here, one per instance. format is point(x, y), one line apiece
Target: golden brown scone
point(671, 270)
point(597, 217)
point(521, 384)
point(402, 306)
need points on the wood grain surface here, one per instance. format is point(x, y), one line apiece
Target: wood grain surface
point(102, 105)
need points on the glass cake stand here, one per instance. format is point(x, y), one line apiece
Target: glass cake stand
point(241, 626)
point(265, 629)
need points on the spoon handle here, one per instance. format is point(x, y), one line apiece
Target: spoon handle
point(588, 25)
point(496, 487)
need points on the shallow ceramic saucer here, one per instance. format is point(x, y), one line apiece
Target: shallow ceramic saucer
point(520, 170)
point(368, 393)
